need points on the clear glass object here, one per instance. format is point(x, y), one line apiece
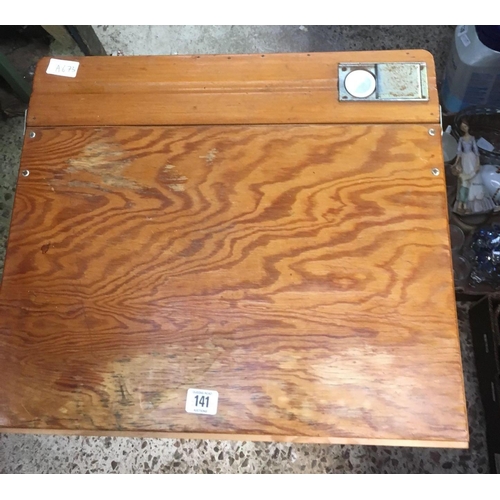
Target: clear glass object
point(461, 270)
point(457, 238)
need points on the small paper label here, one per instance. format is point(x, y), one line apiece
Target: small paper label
point(465, 40)
point(63, 68)
point(484, 144)
point(462, 29)
point(202, 401)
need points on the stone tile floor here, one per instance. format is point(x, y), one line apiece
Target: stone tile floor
point(11, 140)
point(65, 454)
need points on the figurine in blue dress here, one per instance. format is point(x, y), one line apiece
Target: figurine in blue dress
point(471, 197)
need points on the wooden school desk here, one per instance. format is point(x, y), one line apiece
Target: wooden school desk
point(234, 226)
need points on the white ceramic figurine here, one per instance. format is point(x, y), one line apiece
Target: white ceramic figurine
point(472, 197)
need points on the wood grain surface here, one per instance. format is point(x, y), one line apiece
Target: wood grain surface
point(302, 271)
point(218, 89)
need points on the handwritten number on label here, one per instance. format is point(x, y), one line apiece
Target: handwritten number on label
point(60, 67)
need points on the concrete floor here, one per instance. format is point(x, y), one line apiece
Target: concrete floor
point(56, 454)
point(156, 40)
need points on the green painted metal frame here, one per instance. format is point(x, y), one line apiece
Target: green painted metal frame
point(17, 83)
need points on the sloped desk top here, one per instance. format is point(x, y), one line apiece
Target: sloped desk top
point(225, 223)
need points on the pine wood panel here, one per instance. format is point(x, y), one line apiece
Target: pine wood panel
point(218, 89)
point(303, 272)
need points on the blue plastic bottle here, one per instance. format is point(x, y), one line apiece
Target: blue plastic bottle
point(472, 76)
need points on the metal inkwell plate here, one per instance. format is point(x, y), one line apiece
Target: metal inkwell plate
point(383, 82)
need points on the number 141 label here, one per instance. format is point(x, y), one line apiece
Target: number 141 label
point(202, 401)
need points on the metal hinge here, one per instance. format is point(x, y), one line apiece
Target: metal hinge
point(383, 82)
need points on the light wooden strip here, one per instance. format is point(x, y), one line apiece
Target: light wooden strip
point(247, 437)
point(222, 89)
